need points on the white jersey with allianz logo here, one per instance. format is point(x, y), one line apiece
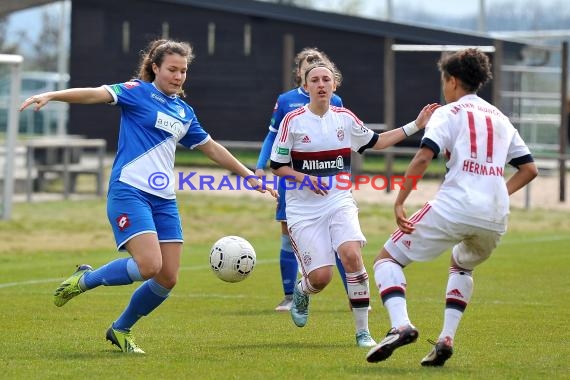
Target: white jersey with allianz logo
point(321, 147)
point(478, 141)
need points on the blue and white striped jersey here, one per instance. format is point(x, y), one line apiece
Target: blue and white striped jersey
point(152, 123)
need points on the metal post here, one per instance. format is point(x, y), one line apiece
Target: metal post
point(389, 10)
point(11, 133)
point(482, 19)
point(62, 66)
point(497, 70)
point(564, 115)
point(389, 99)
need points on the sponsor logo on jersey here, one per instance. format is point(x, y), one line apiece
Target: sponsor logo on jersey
point(130, 85)
point(296, 105)
point(407, 243)
point(306, 140)
point(158, 98)
point(181, 111)
point(283, 151)
point(116, 89)
point(169, 124)
point(323, 164)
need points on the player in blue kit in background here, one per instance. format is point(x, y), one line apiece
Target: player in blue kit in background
point(141, 204)
point(286, 102)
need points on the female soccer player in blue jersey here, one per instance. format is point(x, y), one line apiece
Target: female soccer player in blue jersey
point(141, 202)
point(286, 102)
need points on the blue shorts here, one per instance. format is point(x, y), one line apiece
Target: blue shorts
point(133, 212)
point(280, 214)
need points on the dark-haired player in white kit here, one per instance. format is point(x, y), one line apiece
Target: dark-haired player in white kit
point(312, 149)
point(469, 212)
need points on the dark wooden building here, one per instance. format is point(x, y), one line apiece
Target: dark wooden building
point(244, 52)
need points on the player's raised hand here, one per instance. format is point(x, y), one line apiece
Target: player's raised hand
point(425, 114)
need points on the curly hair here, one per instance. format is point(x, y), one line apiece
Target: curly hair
point(309, 55)
point(471, 66)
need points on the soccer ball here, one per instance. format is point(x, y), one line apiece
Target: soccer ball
point(232, 258)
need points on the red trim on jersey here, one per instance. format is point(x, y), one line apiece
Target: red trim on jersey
point(320, 155)
point(344, 110)
point(286, 122)
point(414, 219)
point(489, 138)
point(472, 134)
point(296, 252)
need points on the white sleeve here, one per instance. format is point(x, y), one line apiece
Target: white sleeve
point(517, 148)
point(438, 130)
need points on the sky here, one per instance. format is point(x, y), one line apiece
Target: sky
point(30, 19)
point(379, 7)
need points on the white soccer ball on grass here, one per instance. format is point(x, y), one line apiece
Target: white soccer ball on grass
point(232, 258)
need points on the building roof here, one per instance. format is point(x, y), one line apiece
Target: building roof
point(418, 34)
point(399, 31)
point(9, 6)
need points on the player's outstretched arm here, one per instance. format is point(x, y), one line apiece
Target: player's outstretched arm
point(390, 138)
point(220, 155)
point(87, 95)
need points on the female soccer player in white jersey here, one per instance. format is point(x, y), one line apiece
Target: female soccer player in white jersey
point(288, 102)
point(469, 212)
point(312, 151)
point(141, 202)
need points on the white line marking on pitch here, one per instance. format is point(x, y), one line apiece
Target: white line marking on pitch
point(59, 279)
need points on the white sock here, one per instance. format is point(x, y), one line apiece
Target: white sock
point(458, 294)
point(359, 296)
point(305, 286)
point(391, 283)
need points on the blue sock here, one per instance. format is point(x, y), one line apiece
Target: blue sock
point(341, 271)
point(145, 299)
point(118, 272)
point(289, 266)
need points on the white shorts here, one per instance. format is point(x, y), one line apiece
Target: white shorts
point(315, 241)
point(434, 235)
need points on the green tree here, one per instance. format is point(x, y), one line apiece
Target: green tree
point(46, 46)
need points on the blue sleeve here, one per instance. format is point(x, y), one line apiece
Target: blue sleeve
point(265, 151)
point(336, 101)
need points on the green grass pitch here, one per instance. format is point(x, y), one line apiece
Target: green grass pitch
point(516, 326)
